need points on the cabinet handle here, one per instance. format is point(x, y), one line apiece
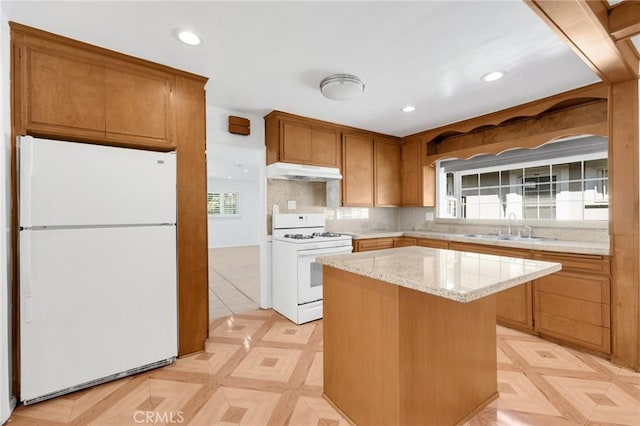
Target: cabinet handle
point(26, 287)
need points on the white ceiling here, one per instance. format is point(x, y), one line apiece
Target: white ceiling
point(265, 55)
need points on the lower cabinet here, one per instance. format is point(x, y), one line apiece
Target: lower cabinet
point(372, 244)
point(404, 242)
point(572, 306)
point(427, 242)
point(514, 307)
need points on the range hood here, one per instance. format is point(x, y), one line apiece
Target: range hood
point(302, 172)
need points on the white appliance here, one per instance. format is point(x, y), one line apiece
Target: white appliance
point(297, 278)
point(97, 260)
point(303, 172)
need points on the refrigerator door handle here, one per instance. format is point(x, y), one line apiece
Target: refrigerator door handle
point(25, 178)
point(25, 278)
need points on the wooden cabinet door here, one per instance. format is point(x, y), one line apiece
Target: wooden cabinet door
point(388, 188)
point(373, 244)
point(139, 106)
point(303, 143)
point(514, 306)
point(357, 171)
point(411, 174)
point(404, 242)
point(428, 186)
point(295, 143)
point(325, 147)
point(61, 93)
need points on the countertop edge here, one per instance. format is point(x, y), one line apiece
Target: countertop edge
point(561, 246)
point(470, 296)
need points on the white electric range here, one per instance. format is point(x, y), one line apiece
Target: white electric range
point(296, 277)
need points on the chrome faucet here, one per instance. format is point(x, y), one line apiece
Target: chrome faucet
point(528, 229)
point(512, 216)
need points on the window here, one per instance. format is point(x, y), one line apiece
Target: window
point(222, 203)
point(565, 180)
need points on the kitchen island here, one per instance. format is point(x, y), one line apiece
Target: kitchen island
point(410, 333)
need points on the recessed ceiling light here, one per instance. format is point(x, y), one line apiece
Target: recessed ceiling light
point(246, 170)
point(492, 76)
point(189, 37)
point(409, 108)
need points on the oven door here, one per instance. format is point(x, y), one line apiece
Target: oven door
point(310, 272)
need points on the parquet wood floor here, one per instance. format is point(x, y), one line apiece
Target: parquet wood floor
point(260, 369)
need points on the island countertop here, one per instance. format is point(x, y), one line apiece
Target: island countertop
point(459, 276)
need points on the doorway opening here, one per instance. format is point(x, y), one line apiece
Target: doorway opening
point(235, 206)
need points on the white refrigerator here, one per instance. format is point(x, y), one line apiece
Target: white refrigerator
point(97, 256)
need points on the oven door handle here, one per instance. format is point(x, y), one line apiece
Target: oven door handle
point(324, 251)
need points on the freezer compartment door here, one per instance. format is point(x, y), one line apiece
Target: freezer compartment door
point(76, 184)
point(94, 302)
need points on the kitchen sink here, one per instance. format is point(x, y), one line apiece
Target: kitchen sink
point(495, 237)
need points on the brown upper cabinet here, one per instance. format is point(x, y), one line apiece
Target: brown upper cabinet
point(418, 182)
point(388, 186)
point(370, 170)
point(139, 105)
point(301, 141)
point(357, 170)
point(77, 93)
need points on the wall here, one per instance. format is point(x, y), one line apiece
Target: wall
point(246, 150)
point(228, 156)
point(5, 218)
point(236, 231)
point(217, 129)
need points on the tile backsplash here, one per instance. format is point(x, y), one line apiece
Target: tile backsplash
point(311, 197)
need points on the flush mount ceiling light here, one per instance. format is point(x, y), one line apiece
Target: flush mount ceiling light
point(342, 87)
point(492, 76)
point(409, 108)
point(188, 37)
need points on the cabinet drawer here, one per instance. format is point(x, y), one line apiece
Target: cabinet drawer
point(373, 244)
point(569, 330)
point(404, 242)
point(589, 288)
point(440, 244)
point(575, 309)
point(578, 262)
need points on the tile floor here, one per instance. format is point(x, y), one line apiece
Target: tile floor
point(260, 369)
point(234, 280)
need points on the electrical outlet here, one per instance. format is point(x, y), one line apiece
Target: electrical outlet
point(429, 216)
point(291, 204)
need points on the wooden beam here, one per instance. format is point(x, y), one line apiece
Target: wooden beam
point(584, 26)
point(624, 20)
point(624, 223)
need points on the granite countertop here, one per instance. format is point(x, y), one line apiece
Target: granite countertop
point(454, 275)
point(562, 246)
